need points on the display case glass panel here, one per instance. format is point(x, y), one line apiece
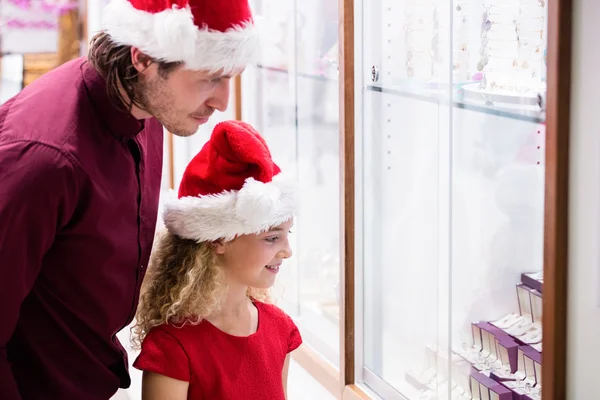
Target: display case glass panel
point(291, 96)
point(451, 135)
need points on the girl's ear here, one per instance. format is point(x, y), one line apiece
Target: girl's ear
point(219, 246)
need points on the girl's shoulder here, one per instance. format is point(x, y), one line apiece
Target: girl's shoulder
point(164, 352)
point(272, 312)
point(175, 333)
point(276, 322)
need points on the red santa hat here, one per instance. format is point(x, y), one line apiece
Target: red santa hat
point(231, 187)
point(209, 35)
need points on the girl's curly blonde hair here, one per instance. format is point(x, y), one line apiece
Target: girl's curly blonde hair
point(184, 284)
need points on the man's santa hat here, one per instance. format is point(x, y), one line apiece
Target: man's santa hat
point(231, 187)
point(209, 35)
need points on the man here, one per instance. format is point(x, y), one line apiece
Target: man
point(80, 170)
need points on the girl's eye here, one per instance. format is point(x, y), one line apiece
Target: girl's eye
point(272, 239)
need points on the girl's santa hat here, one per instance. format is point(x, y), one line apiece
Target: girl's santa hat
point(232, 187)
point(209, 35)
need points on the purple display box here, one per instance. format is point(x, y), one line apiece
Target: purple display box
point(493, 330)
point(532, 353)
point(512, 348)
point(500, 379)
point(532, 283)
point(516, 396)
point(502, 392)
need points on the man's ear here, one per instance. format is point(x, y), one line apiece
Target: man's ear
point(139, 60)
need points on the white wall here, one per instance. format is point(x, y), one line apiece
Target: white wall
point(584, 226)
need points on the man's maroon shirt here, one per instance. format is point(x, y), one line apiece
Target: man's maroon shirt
point(79, 189)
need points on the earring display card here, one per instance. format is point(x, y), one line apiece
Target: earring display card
point(475, 389)
point(484, 392)
point(536, 306)
point(498, 363)
point(431, 358)
point(493, 349)
point(477, 337)
point(529, 370)
point(509, 354)
point(520, 372)
point(538, 373)
point(462, 381)
point(524, 297)
point(485, 336)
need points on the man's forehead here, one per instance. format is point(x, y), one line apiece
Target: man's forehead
point(220, 73)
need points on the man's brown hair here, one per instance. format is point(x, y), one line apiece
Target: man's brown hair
point(113, 63)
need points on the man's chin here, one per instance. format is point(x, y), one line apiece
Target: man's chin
point(181, 132)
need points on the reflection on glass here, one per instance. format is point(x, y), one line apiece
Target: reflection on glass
point(453, 192)
point(318, 227)
point(303, 386)
point(292, 97)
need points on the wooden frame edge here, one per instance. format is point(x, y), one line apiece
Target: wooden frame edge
point(237, 95)
point(319, 369)
point(69, 36)
point(171, 156)
point(347, 176)
point(556, 200)
point(353, 392)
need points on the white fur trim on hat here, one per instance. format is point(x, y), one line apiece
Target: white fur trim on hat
point(255, 208)
point(172, 36)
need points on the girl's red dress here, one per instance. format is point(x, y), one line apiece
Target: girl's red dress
point(220, 366)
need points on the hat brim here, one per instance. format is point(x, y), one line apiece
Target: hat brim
point(172, 36)
point(255, 208)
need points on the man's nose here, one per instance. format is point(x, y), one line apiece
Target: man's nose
point(219, 99)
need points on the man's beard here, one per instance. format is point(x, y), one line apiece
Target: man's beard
point(154, 98)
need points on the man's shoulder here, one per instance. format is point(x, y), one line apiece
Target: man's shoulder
point(48, 109)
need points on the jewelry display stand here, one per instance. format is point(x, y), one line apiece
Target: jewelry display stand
point(512, 60)
point(503, 360)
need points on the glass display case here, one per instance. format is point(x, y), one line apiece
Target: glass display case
point(427, 227)
point(451, 136)
point(291, 96)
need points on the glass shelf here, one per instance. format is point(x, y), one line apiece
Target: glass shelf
point(309, 75)
point(517, 112)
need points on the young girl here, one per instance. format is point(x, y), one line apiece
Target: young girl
point(205, 324)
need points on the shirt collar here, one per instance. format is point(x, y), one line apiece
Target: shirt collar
point(121, 124)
